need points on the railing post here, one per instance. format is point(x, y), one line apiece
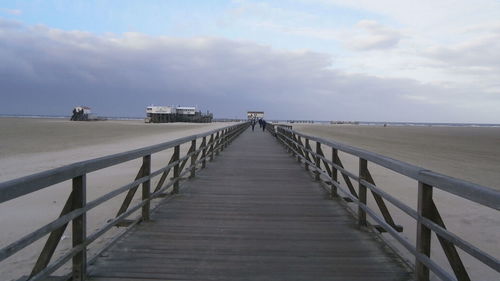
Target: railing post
point(423, 233)
point(299, 149)
point(334, 192)
point(212, 146)
point(306, 153)
point(177, 151)
point(204, 152)
point(363, 171)
point(317, 160)
point(193, 159)
point(146, 187)
point(222, 140)
point(227, 138)
point(79, 228)
point(217, 142)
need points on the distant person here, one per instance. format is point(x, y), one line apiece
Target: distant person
point(260, 122)
point(263, 125)
point(253, 125)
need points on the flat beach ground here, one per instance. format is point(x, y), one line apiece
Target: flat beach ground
point(30, 145)
point(468, 153)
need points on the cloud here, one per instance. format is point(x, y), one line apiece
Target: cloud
point(14, 12)
point(371, 35)
point(48, 71)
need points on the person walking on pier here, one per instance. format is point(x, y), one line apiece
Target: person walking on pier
point(253, 125)
point(263, 125)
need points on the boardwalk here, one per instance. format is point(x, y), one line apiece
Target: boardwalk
point(252, 214)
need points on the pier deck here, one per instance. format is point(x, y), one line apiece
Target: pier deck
point(252, 214)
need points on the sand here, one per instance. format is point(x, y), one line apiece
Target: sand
point(468, 153)
point(29, 145)
point(33, 145)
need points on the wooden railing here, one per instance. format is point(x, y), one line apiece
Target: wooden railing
point(76, 207)
point(427, 215)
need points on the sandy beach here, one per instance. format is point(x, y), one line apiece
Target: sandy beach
point(31, 145)
point(468, 153)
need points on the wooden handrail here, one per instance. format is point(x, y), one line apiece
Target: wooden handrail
point(22, 186)
point(474, 192)
point(76, 207)
point(427, 216)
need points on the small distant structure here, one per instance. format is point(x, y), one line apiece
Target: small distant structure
point(83, 113)
point(344, 122)
point(169, 114)
point(255, 115)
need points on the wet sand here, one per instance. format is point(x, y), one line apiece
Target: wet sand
point(30, 145)
point(468, 153)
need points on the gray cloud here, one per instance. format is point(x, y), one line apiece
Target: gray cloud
point(481, 53)
point(48, 71)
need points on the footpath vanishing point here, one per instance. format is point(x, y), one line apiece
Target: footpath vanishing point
point(248, 211)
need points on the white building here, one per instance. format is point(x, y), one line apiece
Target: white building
point(255, 115)
point(161, 109)
point(186, 110)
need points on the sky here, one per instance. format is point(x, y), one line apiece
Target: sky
point(358, 60)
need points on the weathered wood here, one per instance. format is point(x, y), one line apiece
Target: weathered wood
point(347, 180)
point(217, 141)
point(193, 159)
point(265, 220)
point(53, 240)
point(184, 162)
point(317, 161)
point(363, 170)
point(204, 152)
point(423, 233)
point(21, 186)
point(164, 175)
point(381, 204)
point(299, 150)
point(130, 193)
point(177, 169)
point(480, 194)
point(306, 151)
point(146, 187)
point(211, 150)
point(449, 249)
point(326, 165)
point(334, 174)
point(79, 229)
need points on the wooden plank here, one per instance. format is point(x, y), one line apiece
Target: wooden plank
point(381, 204)
point(334, 174)
point(317, 161)
point(177, 169)
point(79, 229)
point(363, 168)
point(130, 193)
point(53, 240)
point(146, 187)
point(449, 249)
point(265, 220)
point(423, 232)
point(193, 160)
point(204, 152)
point(347, 180)
point(164, 176)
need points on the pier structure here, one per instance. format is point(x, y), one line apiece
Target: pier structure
point(248, 211)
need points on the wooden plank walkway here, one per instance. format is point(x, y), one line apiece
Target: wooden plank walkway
point(252, 214)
